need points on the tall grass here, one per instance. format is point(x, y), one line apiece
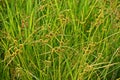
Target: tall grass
point(60, 40)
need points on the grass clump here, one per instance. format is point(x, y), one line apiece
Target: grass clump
point(60, 40)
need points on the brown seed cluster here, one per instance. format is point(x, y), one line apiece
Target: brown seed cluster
point(57, 50)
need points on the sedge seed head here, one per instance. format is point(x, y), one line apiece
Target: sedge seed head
point(53, 50)
point(17, 51)
point(15, 41)
point(51, 34)
point(45, 41)
point(61, 43)
point(13, 55)
point(40, 40)
point(47, 36)
point(21, 45)
point(58, 49)
point(15, 48)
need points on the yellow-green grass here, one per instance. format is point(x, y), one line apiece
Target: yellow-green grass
point(59, 39)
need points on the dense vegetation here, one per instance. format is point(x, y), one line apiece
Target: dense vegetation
point(59, 39)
